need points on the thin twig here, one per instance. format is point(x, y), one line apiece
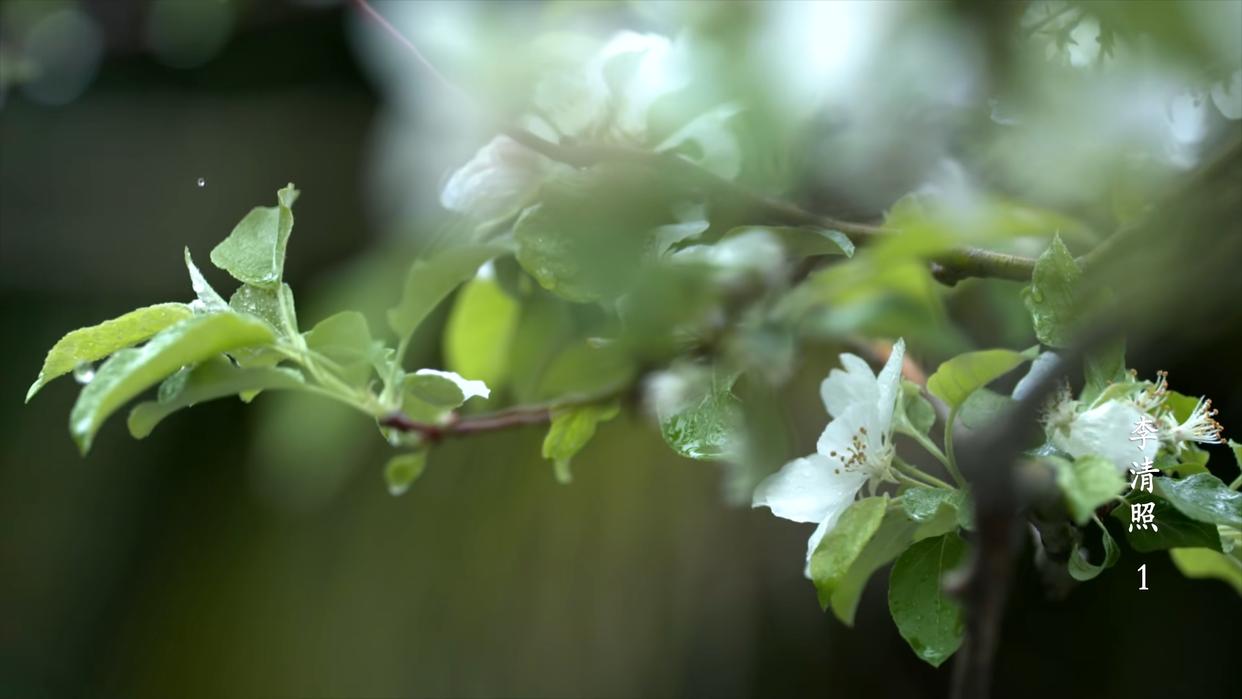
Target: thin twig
point(458, 426)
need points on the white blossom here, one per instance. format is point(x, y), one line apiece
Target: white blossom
point(1200, 427)
point(501, 177)
point(1105, 431)
point(857, 446)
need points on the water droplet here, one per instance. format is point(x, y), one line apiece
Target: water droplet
point(1037, 295)
point(83, 373)
point(202, 182)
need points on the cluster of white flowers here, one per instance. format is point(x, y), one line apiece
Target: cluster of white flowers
point(856, 448)
point(1108, 427)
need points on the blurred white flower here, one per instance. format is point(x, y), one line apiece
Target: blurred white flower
point(501, 177)
point(754, 253)
point(1105, 431)
point(857, 446)
point(1227, 96)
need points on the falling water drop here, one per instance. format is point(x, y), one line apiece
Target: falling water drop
point(202, 182)
point(83, 373)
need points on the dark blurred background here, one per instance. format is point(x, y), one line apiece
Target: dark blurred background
point(243, 550)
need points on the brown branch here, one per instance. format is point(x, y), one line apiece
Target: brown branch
point(458, 426)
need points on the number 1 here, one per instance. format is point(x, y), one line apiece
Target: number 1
point(1142, 576)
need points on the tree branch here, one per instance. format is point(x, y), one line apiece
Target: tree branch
point(949, 268)
point(458, 426)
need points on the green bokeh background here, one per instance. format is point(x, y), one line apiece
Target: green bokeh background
point(175, 566)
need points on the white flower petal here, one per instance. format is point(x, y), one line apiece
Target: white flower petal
point(888, 384)
point(856, 385)
point(1105, 430)
point(469, 388)
point(809, 489)
point(498, 180)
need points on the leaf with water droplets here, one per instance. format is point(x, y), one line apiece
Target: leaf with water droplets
point(207, 299)
point(705, 426)
point(917, 513)
point(926, 616)
point(1053, 298)
point(91, 344)
point(254, 252)
point(838, 550)
point(131, 371)
point(266, 304)
point(215, 378)
point(1203, 497)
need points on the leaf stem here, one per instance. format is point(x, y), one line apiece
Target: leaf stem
point(951, 459)
point(913, 471)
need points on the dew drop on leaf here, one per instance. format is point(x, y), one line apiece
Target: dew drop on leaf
point(83, 373)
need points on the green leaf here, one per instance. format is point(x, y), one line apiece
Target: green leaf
point(345, 339)
point(268, 305)
point(592, 230)
point(915, 412)
point(130, 371)
point(1087, 483)
point(705, 424)
point(806, 241)
point(584, 371)
point(1176, 530)
point(442, 389)
point(431, 280)
point(570, 431)
point(1206, 563)
point(982, 407)
point(403, 469)
point(1082, 569)
point(479, 331)
point(1191, 461)
point(1202, 497)
point(962, 375)
point(1052, 297)
point(1102, 367)
point(212, 379)
point(840, 548)
point(208, 299)
point(929, 620)
point(98, 341)
point(918, 513)
point(254, 253)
